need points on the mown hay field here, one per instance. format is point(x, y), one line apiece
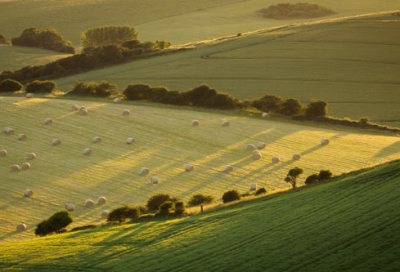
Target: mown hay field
point(347, 225)
point(165, 141)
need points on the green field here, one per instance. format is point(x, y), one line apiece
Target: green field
point(165, 143)
point(16, 57)
point(347, 225)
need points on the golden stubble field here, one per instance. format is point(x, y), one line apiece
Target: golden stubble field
point(165, 143)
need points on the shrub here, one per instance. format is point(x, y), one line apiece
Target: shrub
point(3, 39)
point(261, 191)
point(166, 207)
point(58, 221)
point(298, 10)
point(108, 35)
point(143, 209)
point(268, 103)
point(200, 198)
point(38, 86)
point(364, 120)
point(180, 208)
point(137, 91)
point(10, 85)
point(317, 108)
point(162, 44)
point(103, 89)
point(290, 107)
point(156, 201)
point(149, 46)
point(324, 174)
point(132, 44)
point(42, 229)
point(122, 213)
point(230, 196)
point(292, 176)
point(311, 179)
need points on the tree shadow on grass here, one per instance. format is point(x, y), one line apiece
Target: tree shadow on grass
point(388, 150)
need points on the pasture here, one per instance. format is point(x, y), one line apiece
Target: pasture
point(165, 141)
point(350, 224)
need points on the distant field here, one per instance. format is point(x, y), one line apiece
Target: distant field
point(16, 57)
point(165, 143)
point(179, 21)
point(353, 64)
point(347, 225)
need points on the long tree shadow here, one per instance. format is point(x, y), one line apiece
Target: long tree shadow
point(388, 150)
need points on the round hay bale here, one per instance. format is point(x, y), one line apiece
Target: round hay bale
point(96, 140)
point(70, 207)
point(195, 123)
point(225, 124)
point(296, 156)
point(250, 147)
point(56, 142)
point(261, 146)
point(126, 112)
point(324, 141)
point(144, 171)
point(117, 100)
point(75, 107)
point(89, 203)
point(87, 151)
point(28, 193)
point(265, 115)
point(154, 180)
point(31, 156)
point(15, 168)
point(83, 111)
point(253, 186)
point(130, 141)
point(256, 152)
point(228, 168)
point(26, 166)
point(3, 153)
point(276, 159)
point(102, 200)
point(82, 108)
point(21, 137)
point(189, 168)
point(8, 130)
point(21, 227)
point(104, 214)
point(257, 156)
point(29, 95)
point(48, 121)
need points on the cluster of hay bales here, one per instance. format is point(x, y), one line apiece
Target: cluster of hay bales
point(48, 121)
point(29, 95)
point(8, 130)
point(28, 193)
point(126, 112)
point(87, 151)
point(96, 140)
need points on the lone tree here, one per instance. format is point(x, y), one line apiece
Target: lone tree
point(56, 223)
point(108, 35)
point(293, 175)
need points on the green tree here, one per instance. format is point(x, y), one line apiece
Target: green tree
point(122, 213)
point(268, 103)
point(317, 107)
point(157, 200)
point(290, 107)
point(292, 176)
point(9, 85)
point(324, 174)
point(231, 195)
point(59, 220)
point(180, 208)
point(3, 39)
point(38, 86)
point(108, 35)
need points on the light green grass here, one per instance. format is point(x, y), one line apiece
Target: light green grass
point(16, 57)
point(165, 143)
point(347, 225)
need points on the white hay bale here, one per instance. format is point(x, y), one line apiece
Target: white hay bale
point(257, 155)
point(82, 108)
point(256, 151)
point(325, 141)
point(195, 123)
point(89, 203)
point(253, 186)
point(87, 151)
point(31, 156)
point(26, 166)
point(15, 168)
point(75, 107)
point(126, 112)
point(276, 159)
point(104, 214)
point(225, 124)
point(21, 227)
point(228, 168)
point(48, 121)
point(117, 100)
point(250, 147)
point(70, 207)
point(144, 171)
point(102, 200)
point(130, 141)
point(83, 111)
point(28, 193)
point(3, 153)
point(265, 115)
point(189, 168)
point(154, 180)
point(296, 156)
point(8, 130)
point(96, 140)
point(56, 142)
point(29, 95)
point(21, 137)
point(261, 145)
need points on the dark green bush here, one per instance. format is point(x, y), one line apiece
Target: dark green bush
point(268, 103)
point(324, 174)
point(317, 108)
point(311, 179)
point(56, 223)
point(200, 198)
point(38, 86)
point(137, 91)
point(106, 35)
point(180, 208)
point(103, 89)
point(9, 85)
point(364, 120)
point(261, 191)
point(156, 201)
point(166, 207)
point(132, 44)
point(231, 195)
point(298, 10)
point(143, 209)
point(290, 107)
point(162, 44)
point(122, 213)
point(292, 176)
point(3, 39)
point(42, 229)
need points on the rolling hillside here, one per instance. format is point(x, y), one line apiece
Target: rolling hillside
point(165, 143)
point(347, 225)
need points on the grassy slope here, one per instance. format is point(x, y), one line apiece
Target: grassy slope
point(16, 57)
point(353, 64)
point(165, 143)
point(347, 225)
